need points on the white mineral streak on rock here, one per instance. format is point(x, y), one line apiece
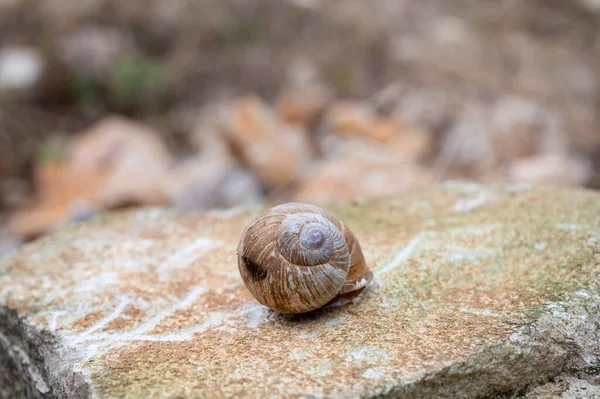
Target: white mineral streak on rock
point(91, 245)
point(95, 343)
point(117, 311)
point(540, 246)
point(479, 312)
point(375, 373)
point(21, 357)
point(323, 369)
point(184, 303)
point(86, 287)
point(257, 315)
point(234, 275)
point(368, 354)
point(298, 354)
point(476, 229)
point(567, 226)
point(186, 255)
point(326, 326)
point(468, 204)
point(212, 320)
point(457, 253)
point(95, 283)
point(403, 254)
point(419, 243)
point(52, 319)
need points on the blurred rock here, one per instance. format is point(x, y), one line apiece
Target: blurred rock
point(305, 96)
point(93, 51)
point(13, 192)
point(63, 194)
point(412, 145)
point(308, 4)
point(590, 5)
point(213, 178)
point(446, 43)
point(351, 178)
point(584, 135)
point(8, 242)
point(302, 73)
point(555, 141)
point(21, 68)
point(432, 108)
point(466, 149)
point(303, 107)
point(64, 15)
point(517, 127)
point(349, 118)
point(9, 3)
point(207, 135)
point(514, 139)
point(552, 169)
point(116, 162)
point(131, 154)
point(540, 63)
point(276, 152)
point(209, 181)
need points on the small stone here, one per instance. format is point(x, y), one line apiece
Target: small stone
point(349, 178)
point(115, 162)
point(590, 5)
point(276, 152)
point(347, 118)
point(208, 181)
point(432, 108)
point(21, 68)
point(517, 128)
point(467, 144)
point(131, 154)
point(552, 169)
point(61, 194)
point(7, 4)
point(412, 145)
point(303, 107)
point(213, 178)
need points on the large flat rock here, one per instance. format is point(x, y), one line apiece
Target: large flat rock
point(478, 291)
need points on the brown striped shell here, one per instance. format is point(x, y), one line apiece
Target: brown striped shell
point(295, 258)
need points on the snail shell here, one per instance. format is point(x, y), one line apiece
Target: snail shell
point(296, 257)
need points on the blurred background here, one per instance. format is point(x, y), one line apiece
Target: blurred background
point(204, 104)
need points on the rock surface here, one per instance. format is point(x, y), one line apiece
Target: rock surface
point(566, 387)
point(478, 291)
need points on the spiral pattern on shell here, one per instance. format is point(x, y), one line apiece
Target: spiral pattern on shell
point(295, 258)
